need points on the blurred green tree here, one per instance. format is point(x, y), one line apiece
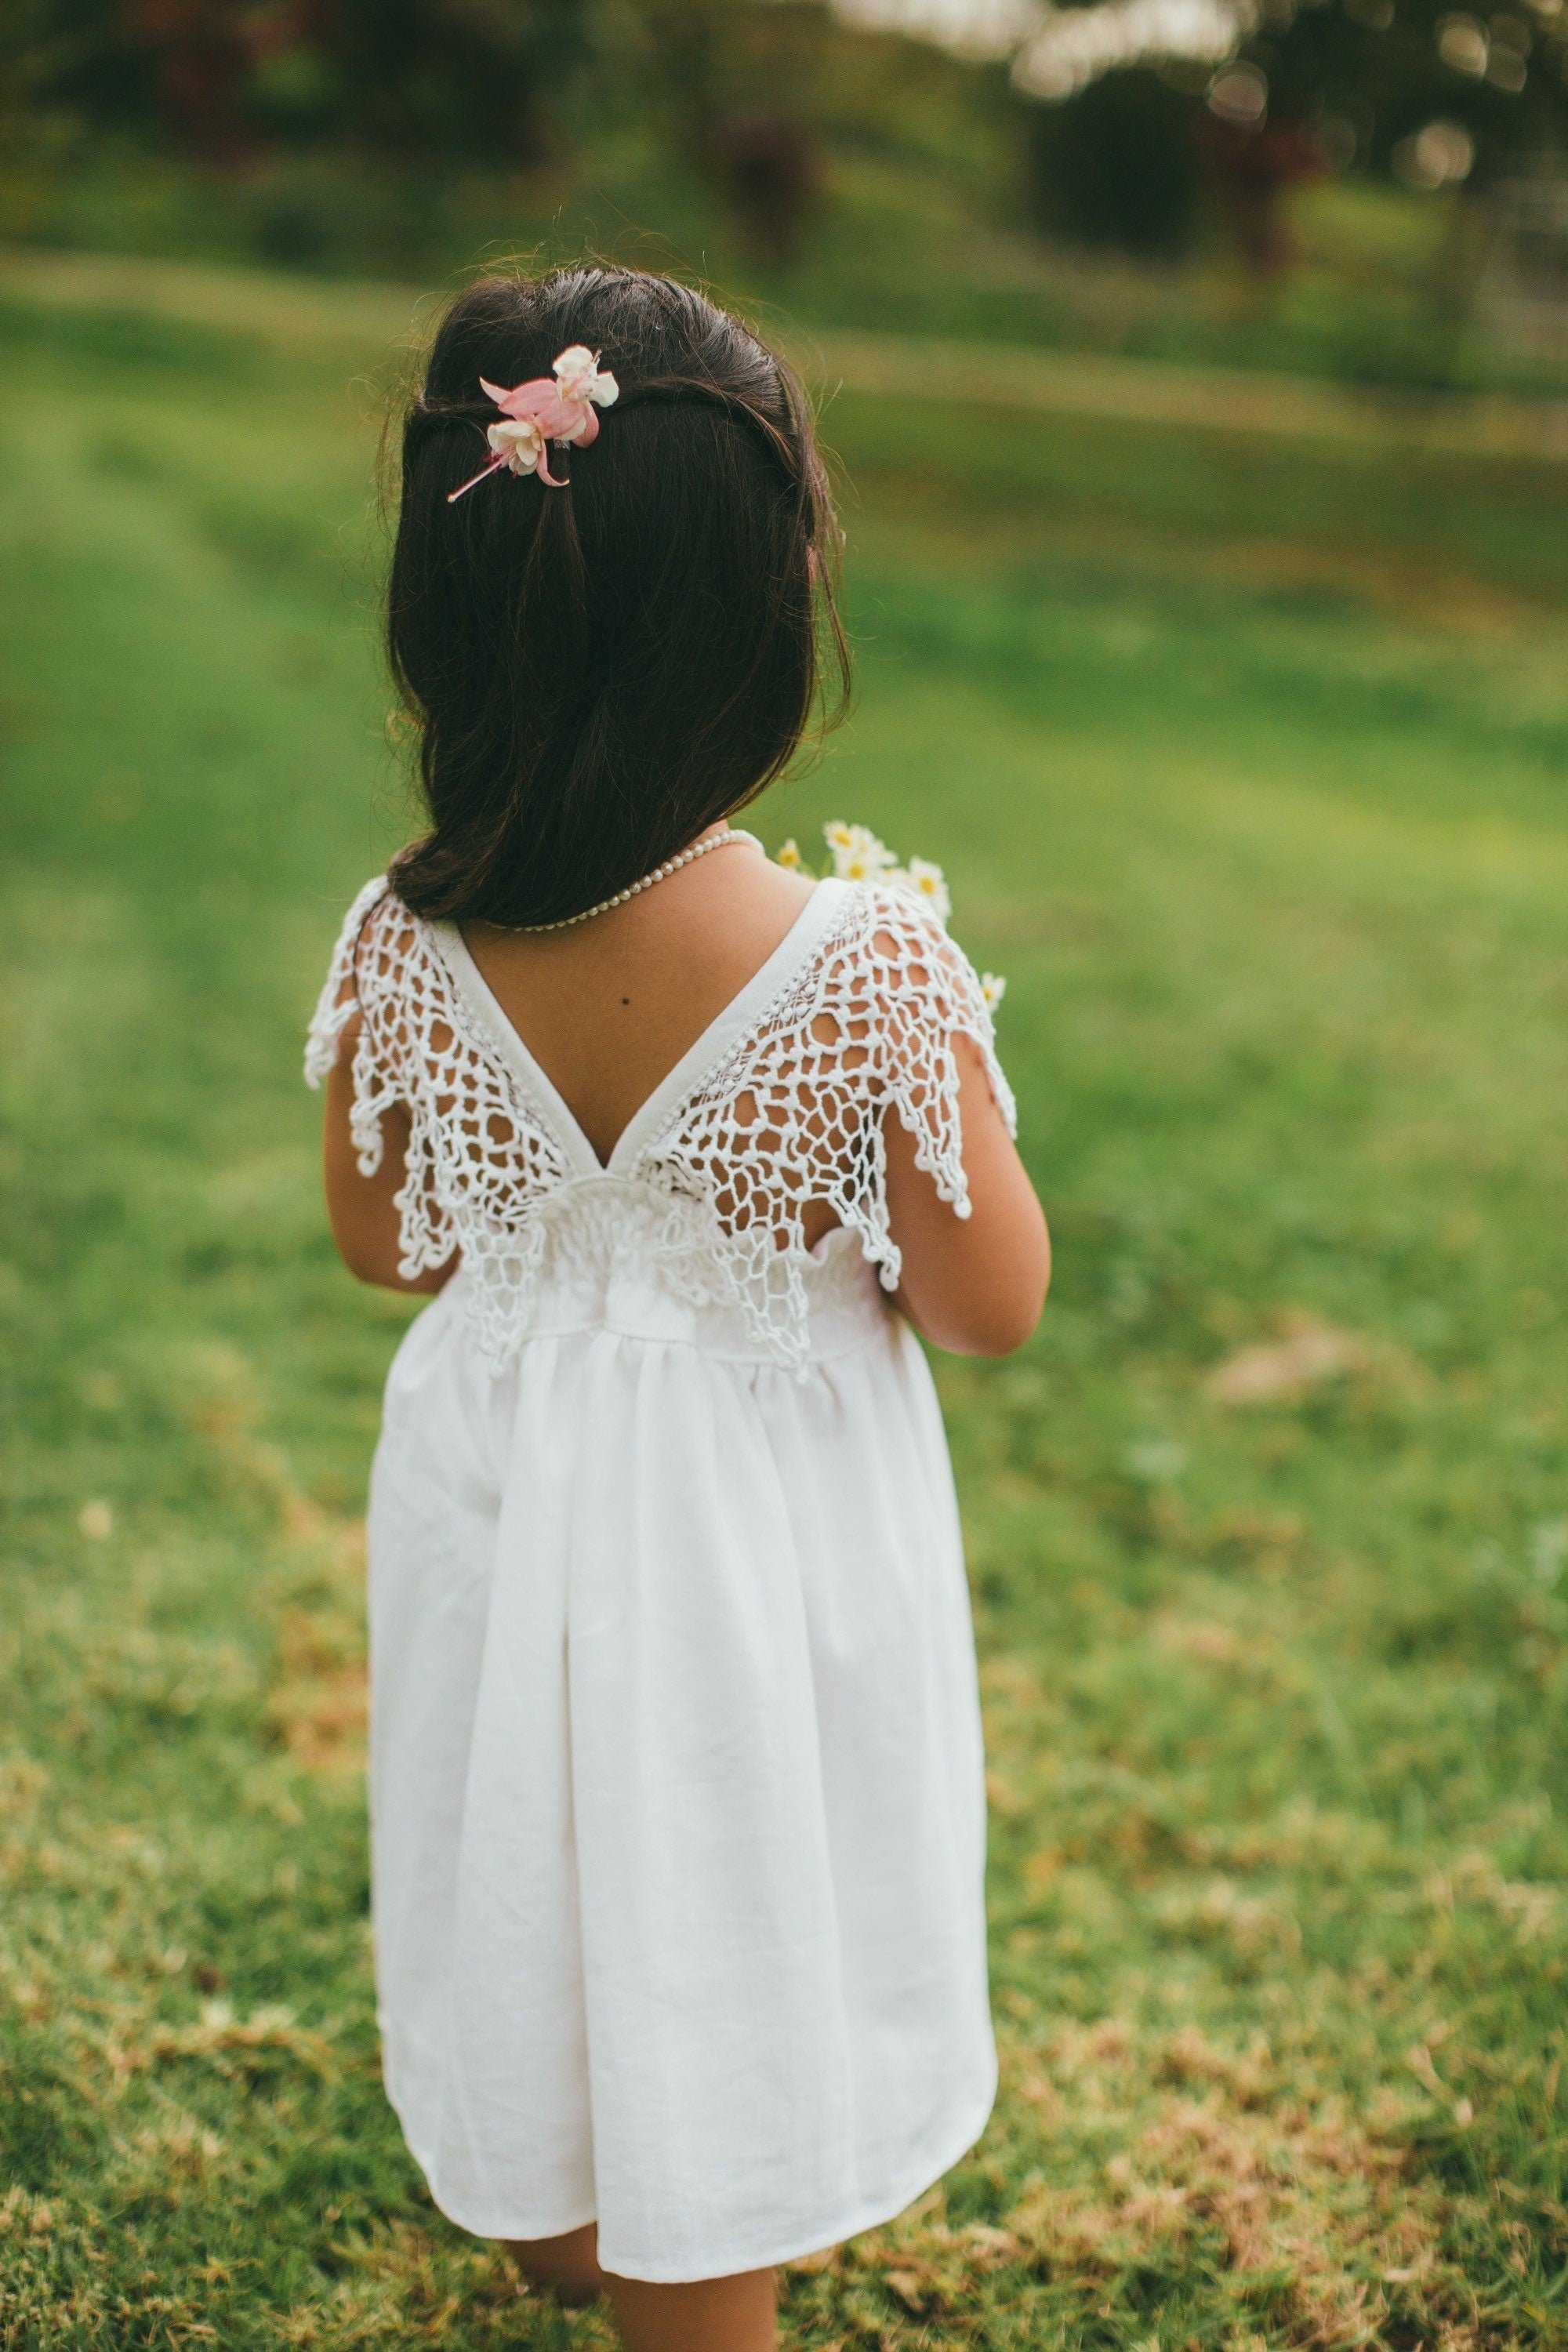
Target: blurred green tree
point(1117, 164)
point(1129, 123)
point(737, 90)
point(218, 78)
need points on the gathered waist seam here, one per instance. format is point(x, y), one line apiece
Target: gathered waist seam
point(590, 1326)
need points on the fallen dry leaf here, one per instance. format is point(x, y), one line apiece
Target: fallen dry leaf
point(1304, 1356)
point(909, 2287)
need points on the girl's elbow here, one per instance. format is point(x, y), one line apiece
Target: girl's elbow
point(371, 1266)
point(1004, 1321)
point(1007, 1322)
point(1003, 1333)
point(370, 1257)
point(990, 1327)
point(382, 1269)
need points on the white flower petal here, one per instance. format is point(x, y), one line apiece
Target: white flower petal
point(857, 854)
point(577, 373)
point(520, 442)
point(576, 363)
point(928, 881)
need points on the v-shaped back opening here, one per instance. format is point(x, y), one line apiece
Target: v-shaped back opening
point(679, 1082)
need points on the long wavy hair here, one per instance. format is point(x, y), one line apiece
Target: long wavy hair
point(600, 672)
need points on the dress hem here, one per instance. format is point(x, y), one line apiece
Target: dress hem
point(869, 2215)
point(508, 2233)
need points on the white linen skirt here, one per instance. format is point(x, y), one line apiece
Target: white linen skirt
point(676, 1793)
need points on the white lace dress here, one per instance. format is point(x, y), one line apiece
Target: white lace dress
point(677, 1805)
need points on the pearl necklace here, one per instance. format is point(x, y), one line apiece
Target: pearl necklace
point(661, 873)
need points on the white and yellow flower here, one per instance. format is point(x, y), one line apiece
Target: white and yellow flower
point(789, 856)
point(993, 988)
point(858, 855)
point(923, 880)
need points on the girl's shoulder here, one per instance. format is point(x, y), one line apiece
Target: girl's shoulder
point(867, 1019)
point(380, 948)
point(888, 960)
point(892, 928)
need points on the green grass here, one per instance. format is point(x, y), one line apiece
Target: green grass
point(1247, 766)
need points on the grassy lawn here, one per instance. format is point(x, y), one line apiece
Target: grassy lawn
point(1247, 763)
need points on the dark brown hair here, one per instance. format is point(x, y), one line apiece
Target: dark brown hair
point(600, 672)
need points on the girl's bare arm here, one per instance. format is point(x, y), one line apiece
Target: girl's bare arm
point(975, 1284)
point(363, 1210)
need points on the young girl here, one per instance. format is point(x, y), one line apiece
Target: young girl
point(676, 1774)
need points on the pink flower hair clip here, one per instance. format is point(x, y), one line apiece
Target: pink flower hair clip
point(542, 411)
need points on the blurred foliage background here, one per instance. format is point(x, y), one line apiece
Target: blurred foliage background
point(1236, 709)
point(1368, 188)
